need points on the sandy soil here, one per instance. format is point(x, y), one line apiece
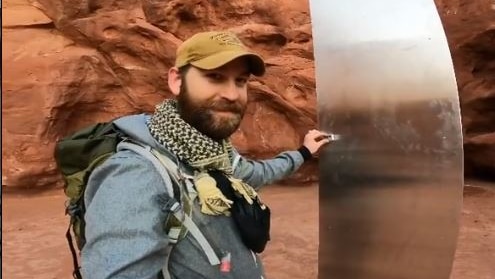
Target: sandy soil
point(34, 244)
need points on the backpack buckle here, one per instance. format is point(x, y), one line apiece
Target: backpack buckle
point(72, 209)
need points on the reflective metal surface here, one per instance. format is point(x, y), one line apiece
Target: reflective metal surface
point(391, 184)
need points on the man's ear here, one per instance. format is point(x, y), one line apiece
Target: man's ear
point(174, 80)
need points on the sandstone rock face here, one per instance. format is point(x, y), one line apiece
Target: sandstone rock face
point(470, 28)
point(67, 64)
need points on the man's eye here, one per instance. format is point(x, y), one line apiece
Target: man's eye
point(214, 76)
point(242, 80)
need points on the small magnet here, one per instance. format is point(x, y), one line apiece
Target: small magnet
point(333, 137)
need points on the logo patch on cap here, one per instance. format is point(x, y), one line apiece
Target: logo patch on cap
point(225, 39)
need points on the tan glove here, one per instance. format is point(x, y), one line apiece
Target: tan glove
point(244, 189)
point(212, 201)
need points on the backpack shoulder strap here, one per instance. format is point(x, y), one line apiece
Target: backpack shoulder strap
point(145, 151)
point(165, 166)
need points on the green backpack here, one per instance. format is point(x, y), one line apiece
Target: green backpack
point(80, 153)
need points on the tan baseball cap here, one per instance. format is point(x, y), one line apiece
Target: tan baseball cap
point(210, 50)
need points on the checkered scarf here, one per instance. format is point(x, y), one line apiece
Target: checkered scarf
point(190, 145)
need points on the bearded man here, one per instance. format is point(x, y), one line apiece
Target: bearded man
point(126, 200)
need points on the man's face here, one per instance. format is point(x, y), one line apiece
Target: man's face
point(214, 101)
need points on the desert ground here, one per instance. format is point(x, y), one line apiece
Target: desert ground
point(34, 226)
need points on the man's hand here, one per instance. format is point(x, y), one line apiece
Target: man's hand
point(314, 140)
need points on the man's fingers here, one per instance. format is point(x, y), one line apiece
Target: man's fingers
point(316, 134)
point(315, 139)
point(323, 142)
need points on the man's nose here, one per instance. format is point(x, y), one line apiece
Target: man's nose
point(231, 91)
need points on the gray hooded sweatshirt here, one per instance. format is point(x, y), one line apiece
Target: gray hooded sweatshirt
point(125, 235)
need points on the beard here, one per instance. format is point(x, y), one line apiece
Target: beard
point(217, 119)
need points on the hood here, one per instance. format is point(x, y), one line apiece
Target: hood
point(135, 127)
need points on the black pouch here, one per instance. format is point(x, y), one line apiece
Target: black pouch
point(252, 220)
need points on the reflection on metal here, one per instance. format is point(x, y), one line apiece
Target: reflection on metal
point(333, 137)
point(391, 186)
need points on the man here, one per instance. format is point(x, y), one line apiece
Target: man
point(125, 197)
